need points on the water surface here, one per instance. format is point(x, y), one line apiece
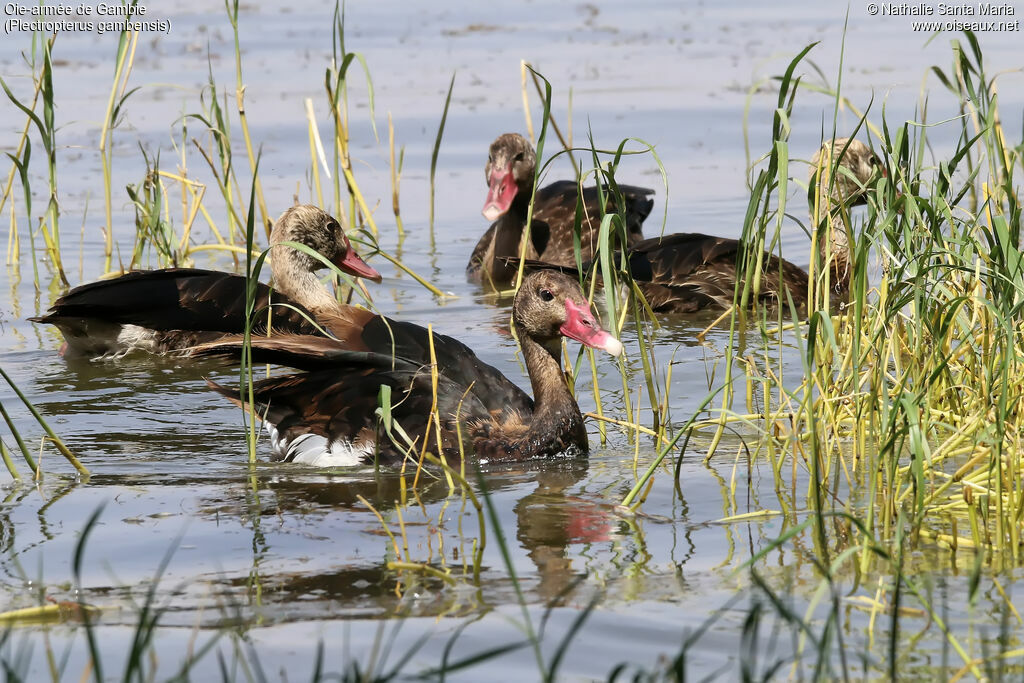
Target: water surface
point(290, 554)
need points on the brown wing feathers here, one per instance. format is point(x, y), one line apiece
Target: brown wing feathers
point(188, 299)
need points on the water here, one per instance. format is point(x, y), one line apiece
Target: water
point(298, 558)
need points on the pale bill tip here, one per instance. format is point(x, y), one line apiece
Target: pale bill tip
point(613, 346)
point(491, 212)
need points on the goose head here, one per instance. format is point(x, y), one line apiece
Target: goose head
point(550, 305)
point(321, 232)
point(857, 158)
point(511, 163)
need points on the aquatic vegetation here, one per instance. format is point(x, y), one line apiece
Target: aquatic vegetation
point(885, 429)
point(905, 411)
point(46, 130)
point(51, 437)
point(896, 398)
point(126, 45)
point(437, 149)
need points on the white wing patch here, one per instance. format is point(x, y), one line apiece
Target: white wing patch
point(99, 340)
point(313, 449)
point(133, 337)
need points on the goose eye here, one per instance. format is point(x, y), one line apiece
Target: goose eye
point(545, 294)
point(518, 157)
point(874, 161)
point(490, 158)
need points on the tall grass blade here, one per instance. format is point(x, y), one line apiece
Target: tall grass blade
point(435, 151)
point(46, 428)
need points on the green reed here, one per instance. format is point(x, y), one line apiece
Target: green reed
point(435, 151)
point(613, 265)
point(358, 204)
point(396, 177)
point(565, 139)
point(610, 263)
point(231, 7)
point(539, 149)
point(218, 125)
point(123, 61)
point(905, 406)
point(47, 133)
point(152, 227)
point(949, 394)
point(25, 453)
point(336, 85)
point(607, 220)
point(780, 633)
point(19, 168)
point(21, 164)
point(46, 130)
point(23, 140)
point(50, 434)
point(252, 274)
point(316, 153)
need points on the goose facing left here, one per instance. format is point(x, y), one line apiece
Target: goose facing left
point(173, 309)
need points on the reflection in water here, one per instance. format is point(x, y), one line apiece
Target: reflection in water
point(549, 520)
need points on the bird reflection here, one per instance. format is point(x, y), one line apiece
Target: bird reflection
point(549, 520)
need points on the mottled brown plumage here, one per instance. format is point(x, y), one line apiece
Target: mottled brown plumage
point(686, 272)
point(510, 169)
point(330, 414)
point(175, 308)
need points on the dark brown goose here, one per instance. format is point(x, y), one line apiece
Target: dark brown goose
point(328, 416)
point(173, 309)
point(687, 272)
point(510, 169)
